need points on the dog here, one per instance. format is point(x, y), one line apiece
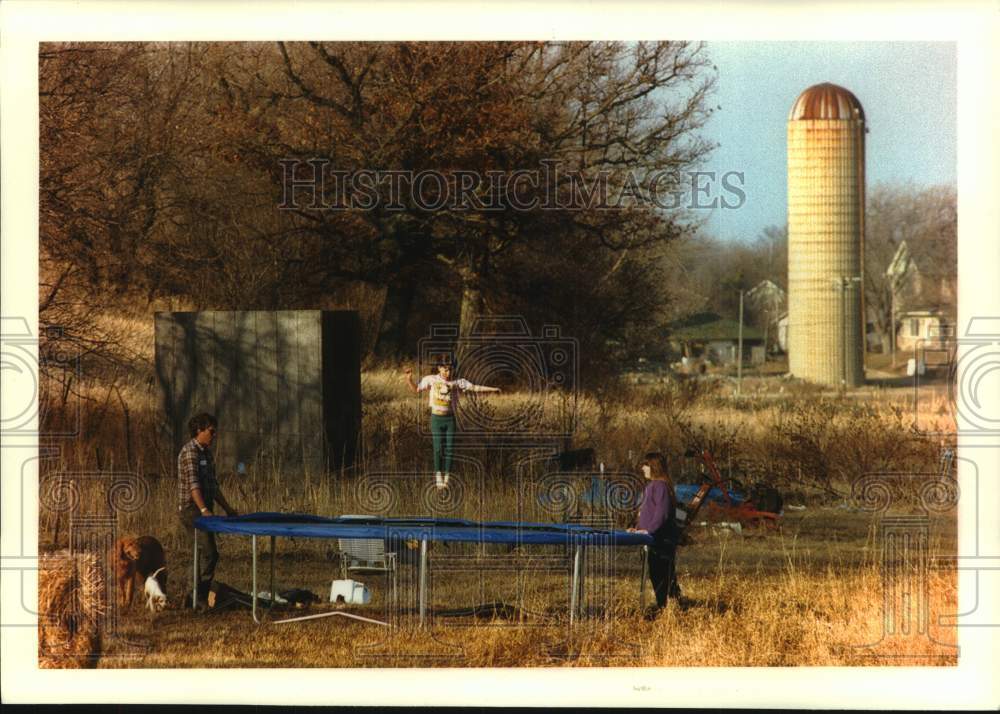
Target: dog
point(156, 598)
point(141, 557)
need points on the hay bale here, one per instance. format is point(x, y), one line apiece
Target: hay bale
point(71, 596)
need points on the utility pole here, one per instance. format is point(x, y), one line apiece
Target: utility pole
point(843, 307)
point(892, 324)
point(897, 272)
point(739, 353)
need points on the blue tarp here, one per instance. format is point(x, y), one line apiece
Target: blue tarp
point(301, 525)
point(686, 491)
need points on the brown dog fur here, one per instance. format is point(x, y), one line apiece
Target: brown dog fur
point(138, 558)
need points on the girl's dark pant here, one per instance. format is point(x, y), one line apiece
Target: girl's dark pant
point(662, 559)
point(443, 436)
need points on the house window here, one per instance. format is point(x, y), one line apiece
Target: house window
point(915, 327)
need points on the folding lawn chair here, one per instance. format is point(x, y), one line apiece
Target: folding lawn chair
point(366, 556)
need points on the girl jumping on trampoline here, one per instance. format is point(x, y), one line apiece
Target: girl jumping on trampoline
point(657, 517)
point(443, 403)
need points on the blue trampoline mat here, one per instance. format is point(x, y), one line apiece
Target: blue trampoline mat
point(302, 525)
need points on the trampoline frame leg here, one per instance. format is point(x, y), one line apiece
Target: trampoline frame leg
point(423, 580)
point(253, 594)
point(253, 578)
point(194, 572)
point(642, 576)
point(577, 584)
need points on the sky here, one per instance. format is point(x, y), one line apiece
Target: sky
point(907, 89)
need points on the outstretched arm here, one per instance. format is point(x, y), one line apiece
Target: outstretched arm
point(408, 372)
point(467, 386)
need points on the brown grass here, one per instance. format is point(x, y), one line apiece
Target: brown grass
point(785, 599)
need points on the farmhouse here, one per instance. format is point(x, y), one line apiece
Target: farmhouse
point(716, 339)
point(929, 328)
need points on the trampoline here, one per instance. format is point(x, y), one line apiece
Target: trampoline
point(299, 525)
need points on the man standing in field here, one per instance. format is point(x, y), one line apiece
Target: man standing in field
point(197, 493)
point(444, 403)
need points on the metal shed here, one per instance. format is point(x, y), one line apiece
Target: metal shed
point(285, 385)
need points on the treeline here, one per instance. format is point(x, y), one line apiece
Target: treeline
point(164, 176)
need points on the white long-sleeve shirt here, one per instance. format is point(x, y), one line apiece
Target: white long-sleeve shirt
point(443, 396)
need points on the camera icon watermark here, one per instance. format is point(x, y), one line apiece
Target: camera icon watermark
point(966, 408)
point(34, 368)
point(542, 370)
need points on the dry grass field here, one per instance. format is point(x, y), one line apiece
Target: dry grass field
point(823, 590)
point(812, 595)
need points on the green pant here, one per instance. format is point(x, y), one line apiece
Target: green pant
point(443, 434)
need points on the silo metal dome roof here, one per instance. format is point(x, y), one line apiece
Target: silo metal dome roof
point(826, 101)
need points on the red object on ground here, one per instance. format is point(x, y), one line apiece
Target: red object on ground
point(745, 513)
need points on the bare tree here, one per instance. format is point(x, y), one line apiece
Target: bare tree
point(621, 112)
point(96, 192)
point(927, 220)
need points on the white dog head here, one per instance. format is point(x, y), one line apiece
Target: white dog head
point(156, 599)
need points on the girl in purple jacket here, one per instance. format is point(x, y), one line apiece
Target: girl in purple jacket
point(657, 516)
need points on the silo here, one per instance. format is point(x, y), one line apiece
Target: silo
point(826, 195)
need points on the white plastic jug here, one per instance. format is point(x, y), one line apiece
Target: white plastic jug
point(918, 367)
point(352, 592)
